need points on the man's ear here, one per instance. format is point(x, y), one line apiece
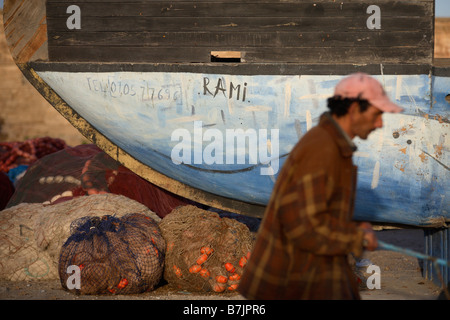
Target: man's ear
point(353, 108)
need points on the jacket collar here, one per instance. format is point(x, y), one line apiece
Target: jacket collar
point(345, 144)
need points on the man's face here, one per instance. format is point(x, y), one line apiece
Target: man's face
point(366, 122)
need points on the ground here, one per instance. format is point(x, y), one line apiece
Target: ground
point(401, 275)
point(400, 278)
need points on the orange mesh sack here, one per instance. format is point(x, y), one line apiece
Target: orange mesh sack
point(113, 255)
point(204, 251)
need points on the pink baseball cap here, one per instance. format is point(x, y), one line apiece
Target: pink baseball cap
point(361, 85)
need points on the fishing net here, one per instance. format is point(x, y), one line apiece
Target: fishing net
point(32, 234)
point(85, 170)
point(114, 255)
point(16, 153)
point(6, 190)
point(204, 252)
point(16, 156)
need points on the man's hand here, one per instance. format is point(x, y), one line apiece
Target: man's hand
point(370, 239)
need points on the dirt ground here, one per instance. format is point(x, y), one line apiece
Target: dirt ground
point(401, 275)
point(400, 278)
point(442, 35)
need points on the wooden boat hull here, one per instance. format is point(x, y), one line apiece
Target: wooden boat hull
point(170, 122)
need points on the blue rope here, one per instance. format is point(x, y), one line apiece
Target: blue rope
point(409, 252)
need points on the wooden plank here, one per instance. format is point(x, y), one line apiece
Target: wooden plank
point(239, 24)
point(242, 9)
point(264, 31)
point(254, 55)
point(129, 54)
point(241, 39)
point(26, 30)
point(341, 55)
point(227, 54)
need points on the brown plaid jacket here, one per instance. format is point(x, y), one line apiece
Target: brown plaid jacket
point(307, 232)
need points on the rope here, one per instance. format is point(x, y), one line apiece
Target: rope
point(412, 253)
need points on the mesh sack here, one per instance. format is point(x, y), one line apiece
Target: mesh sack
point(204, 252)
point(32, 234)
point(20, 257)
point(114, 255)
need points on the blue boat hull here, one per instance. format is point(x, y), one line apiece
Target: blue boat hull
point(177, 124)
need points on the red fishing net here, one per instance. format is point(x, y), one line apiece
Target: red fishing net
point(86, 170)
point(13, 154)
point(22, 154)
point(6, 190)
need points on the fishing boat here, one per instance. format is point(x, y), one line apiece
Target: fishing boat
point(207, 98)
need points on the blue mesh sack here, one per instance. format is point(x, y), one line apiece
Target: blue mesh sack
point(113, 255)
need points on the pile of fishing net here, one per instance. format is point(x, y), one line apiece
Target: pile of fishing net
point(17, 156)
point(32, 234)
point(204, 252)
point(86, 170)
point(13, 154)
point(6, 190)
point(113, 255)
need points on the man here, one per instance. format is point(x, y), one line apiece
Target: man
point(307, 232)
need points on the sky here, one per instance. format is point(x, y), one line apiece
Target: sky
point(442, 7)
